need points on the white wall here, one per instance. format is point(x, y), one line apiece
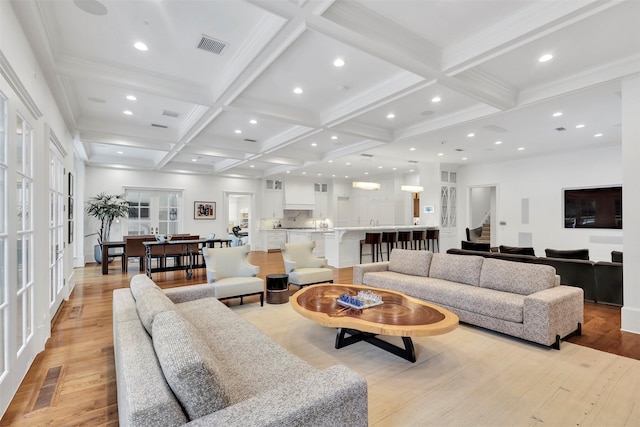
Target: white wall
point(542, 180)
point(480, 204)
point(196, 187)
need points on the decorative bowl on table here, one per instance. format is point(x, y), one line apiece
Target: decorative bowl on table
point(163, 237)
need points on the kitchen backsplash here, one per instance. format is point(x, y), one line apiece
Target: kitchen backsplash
point(295, 219)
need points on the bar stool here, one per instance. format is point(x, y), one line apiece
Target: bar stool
point(404, 239)
point(375, 240)
point(390, 238)
point(419, 237)
point(433, 238)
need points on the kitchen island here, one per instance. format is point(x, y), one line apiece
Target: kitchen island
point(342, 246)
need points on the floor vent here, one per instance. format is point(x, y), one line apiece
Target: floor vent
point(211, 45)
point(48, 393)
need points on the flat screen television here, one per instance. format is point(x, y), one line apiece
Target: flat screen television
point(593, 208)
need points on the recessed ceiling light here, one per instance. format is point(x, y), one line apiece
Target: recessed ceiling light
point(333, 176)
point(580, 126)
point(366, 173)
point(253, 121)
point(238, 131)
point(330, 161)
point(412, 149)
point(545, 58)
point(141, 46)
point(120, 152)
point(597, 135)
point(379, 167)
point(252, 166)
point(436, 99)
point(471, 135)
point(440, 154)
point(334, 137)
point(194, 160)
point(394, 168)
point(131, 98)
point(319, 174)
point(464, 158)
point(557, 114)
point(410, 170)
point(498, 142)
point(288, 171)
point(93, 7)
point(127, 112)
point(521, 149)
point(313, 144)
point(391, 116)
point(339, 62)
point(298, 90)
point(304, 173)
point(348, 163)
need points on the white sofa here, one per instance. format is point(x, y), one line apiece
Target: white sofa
point(519, 299)
point(182, 357)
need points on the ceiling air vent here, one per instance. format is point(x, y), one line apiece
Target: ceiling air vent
point(170, 113)
point(496, 128)
point(155, 125)
point(250, 140)
point(560, 129)
point(211, 45)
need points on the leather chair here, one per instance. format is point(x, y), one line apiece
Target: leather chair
point(231, 275)
point(302, 266)
point(616, 256)
point(568, 254)
point(475, 246)
point(609, 281)
point(473, 234)
point(520, 250)
point(375, 240)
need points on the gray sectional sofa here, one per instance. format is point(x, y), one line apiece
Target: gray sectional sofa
point(183, 357)
point(522, 300)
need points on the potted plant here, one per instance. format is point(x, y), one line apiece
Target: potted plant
point(106, 208)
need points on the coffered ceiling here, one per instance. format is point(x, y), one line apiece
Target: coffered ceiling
point(233, 112)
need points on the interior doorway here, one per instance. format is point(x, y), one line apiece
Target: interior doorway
point(239, 216)
point(482, 209)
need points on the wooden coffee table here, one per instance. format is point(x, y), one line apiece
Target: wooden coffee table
point(399, 315)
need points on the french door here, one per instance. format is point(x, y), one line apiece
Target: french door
point(56, 231)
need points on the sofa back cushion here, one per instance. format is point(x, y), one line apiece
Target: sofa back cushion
point(188, 364)
point(568, 254)
point(139, 283)
point(516, 277)
point(456, 268)
point(414, 263)
point(149, 303)
point(519, 250)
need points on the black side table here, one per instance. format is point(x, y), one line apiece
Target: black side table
point(277, 288)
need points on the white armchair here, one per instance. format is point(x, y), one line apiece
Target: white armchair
point(302, 266)
point(231, 275)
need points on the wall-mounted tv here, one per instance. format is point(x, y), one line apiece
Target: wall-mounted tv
point(593, 208)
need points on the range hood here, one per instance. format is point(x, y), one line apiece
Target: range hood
point(299, 196)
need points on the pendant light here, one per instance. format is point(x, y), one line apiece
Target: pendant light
point(412, 188)
point(366, 185)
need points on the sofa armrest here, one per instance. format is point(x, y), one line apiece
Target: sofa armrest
point(551, 312)
point(360, 269)
point(190, 293)
point(336, 396)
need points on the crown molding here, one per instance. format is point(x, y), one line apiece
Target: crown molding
point(20, 90)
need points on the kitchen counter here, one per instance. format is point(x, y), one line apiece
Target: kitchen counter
point(342, 246)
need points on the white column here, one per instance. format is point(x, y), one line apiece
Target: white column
point(631, 202)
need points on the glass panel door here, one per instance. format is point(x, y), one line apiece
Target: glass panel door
point(56, 232)
point(154, 212)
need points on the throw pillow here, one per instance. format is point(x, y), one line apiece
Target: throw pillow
point(188, 365)
point(150, 302)
point(139, 283)
point(415, 263)
point(568, 254)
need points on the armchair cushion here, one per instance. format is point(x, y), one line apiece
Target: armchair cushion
point(228, 262)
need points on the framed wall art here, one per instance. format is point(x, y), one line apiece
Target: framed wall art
point(204, 210)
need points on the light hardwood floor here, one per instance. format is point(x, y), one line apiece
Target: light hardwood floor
point(72, 382)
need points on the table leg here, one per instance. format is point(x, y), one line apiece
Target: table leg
point(105, 260)
point(147, 264)
point(407, 353)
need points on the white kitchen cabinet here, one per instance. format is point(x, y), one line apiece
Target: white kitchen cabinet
point(272, 206)
point(321, 209)
point(272, 240)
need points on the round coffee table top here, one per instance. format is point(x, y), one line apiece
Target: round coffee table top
point(399, 315)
